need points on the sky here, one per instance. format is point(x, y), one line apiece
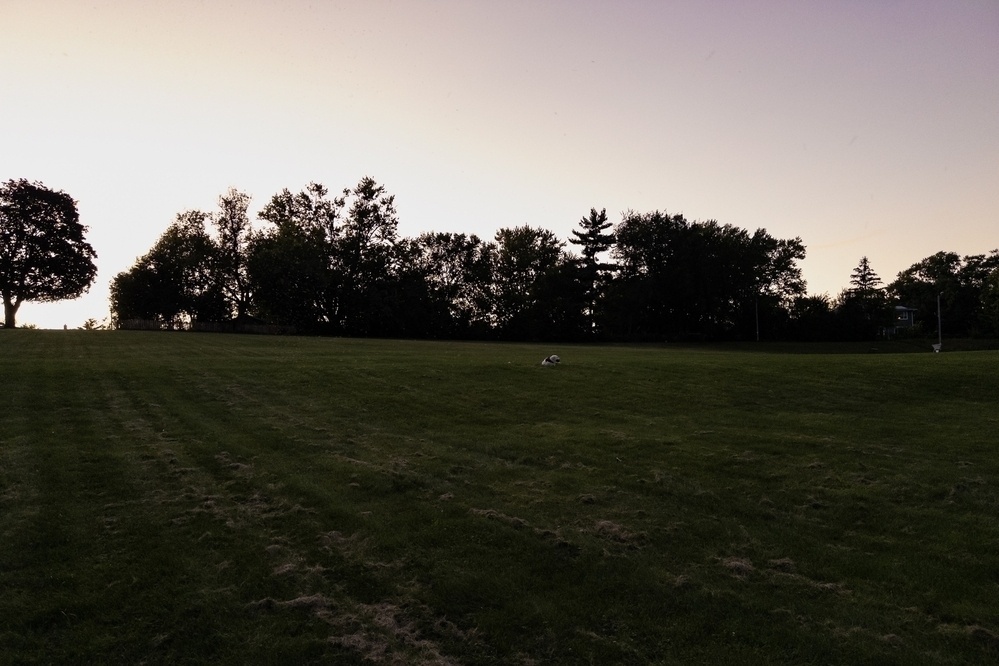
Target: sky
point(864, 127)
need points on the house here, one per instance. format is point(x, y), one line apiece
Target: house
point(905, 317)
point(905, 320)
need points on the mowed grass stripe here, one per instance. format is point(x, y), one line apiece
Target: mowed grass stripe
point(123, 512)
point(233, 499)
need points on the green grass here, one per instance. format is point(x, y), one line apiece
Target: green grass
point(186, 498)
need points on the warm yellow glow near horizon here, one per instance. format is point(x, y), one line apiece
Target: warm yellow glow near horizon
point(864, 128)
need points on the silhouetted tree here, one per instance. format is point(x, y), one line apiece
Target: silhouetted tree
point(43, 254)
point(288, 272)
point(960, 283)
point(777, 283)
point(863, 310)
point(812, 319)
point(564, 314)
point(365, 261)
point(593, 239)
point(346, 273)
point(175, 281)
point(536, 294)
point(643, 297)
point(293, 265)
point(188, 274)
point(990, 304)
point(458, 272)
point(311, 210)
point(863, 280)
point(683, 280)
point(776, 266)
point(978, 273)
point(403, 302)
point(234, 233)
point(140, 293)
point(919, 285)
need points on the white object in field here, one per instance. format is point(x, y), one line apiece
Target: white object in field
point(551, 361)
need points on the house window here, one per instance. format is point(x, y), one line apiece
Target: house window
point(903, 316)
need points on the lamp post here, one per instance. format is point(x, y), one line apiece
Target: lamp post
point(757, 317)
point(939, 324)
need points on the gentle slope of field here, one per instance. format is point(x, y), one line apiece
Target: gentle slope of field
point(179, 498)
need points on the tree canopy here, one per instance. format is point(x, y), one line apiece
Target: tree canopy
point(337, 265)
point(175, 280)
point(963, 285)
point(44, 255)
point(698, 280)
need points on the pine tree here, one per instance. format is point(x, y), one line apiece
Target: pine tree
point(865, 281)
point(864, 306)
point(593, 238)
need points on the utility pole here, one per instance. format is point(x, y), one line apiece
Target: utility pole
point(757, 318)
point(939, 324)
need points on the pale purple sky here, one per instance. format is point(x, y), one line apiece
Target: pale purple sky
point(865, 127)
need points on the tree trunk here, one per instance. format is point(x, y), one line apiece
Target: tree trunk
point(9, 312)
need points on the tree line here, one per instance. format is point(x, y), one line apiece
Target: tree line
point(963, 292)
point(335, 264)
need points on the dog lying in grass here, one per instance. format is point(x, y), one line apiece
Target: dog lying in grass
point(551, 361)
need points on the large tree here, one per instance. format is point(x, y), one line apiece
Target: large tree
point(366, 263)
point(232, 225)
point(863, 310)
point(191, 273)
point(594, 239)
point(175, 280)
point(536, 293)
point(959, 283)
point(698, 280)
point(292, 264)
point(863, 280)
point(43, 253)
point(457, 270)
point(990, 304)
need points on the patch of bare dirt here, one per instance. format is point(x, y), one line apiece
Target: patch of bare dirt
point(785, 564)
point(382, 633)
point(738, 566)
point(612, 531)
point(492, 514)
point(314, 603)
point(784, 569)
point(385, 628)
point(239, 468)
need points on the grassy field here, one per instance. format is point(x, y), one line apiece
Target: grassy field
point(196, 498)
